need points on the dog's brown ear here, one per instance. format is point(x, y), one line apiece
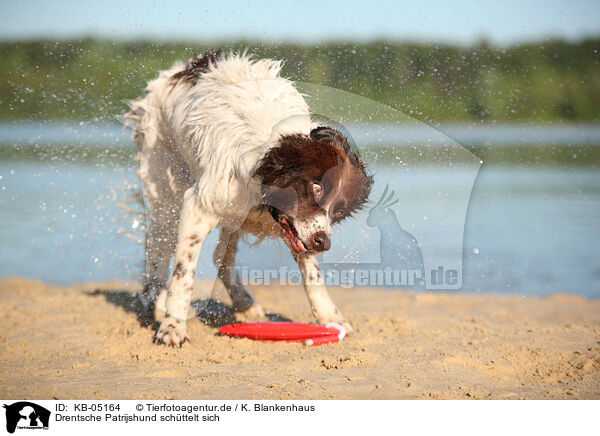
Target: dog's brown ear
point(330, 135)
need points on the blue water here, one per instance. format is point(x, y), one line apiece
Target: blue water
point(528, 230)
point(413, 132)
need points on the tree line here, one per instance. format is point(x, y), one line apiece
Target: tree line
point(92, 79)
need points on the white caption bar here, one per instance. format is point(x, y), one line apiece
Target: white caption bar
point(155, 417)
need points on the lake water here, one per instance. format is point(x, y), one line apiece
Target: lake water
point(471, 134)
point(528, 230)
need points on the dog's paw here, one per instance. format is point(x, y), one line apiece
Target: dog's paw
point(338, 320)
point(172, 332)
point(347, 326)
point(254, 313)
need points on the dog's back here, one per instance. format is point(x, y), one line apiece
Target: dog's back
point(218, 116)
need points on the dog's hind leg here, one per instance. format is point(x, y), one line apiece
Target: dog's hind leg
point(322, 306)
point(160, 246)
point(164, 202)
point(194, 227)
point(224, 258)
point(165, 178)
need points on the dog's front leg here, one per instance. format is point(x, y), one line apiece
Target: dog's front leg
point(321, 305)
point(194, 227)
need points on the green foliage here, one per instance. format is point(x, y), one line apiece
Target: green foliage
point(89, 79)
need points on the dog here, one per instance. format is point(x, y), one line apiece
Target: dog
point(226, 142)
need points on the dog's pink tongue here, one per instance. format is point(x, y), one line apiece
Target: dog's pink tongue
point(298, 244)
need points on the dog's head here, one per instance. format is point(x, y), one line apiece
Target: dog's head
point(309, 183)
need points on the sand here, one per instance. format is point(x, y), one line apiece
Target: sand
point(84, 342)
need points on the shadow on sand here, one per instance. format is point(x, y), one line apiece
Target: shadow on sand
point(211, 312)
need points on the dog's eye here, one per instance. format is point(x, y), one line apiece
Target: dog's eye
point(339, 213)
point(317, 190)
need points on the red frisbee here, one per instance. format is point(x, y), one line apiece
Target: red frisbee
point(311, 334)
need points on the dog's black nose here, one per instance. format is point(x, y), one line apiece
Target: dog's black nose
point(321, 241)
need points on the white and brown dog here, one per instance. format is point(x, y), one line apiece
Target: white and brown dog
point(226, 142)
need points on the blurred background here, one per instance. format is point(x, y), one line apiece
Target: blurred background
point(516, 83)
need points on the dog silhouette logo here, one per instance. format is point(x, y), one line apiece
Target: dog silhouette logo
point(398, 248)
point(26, 415)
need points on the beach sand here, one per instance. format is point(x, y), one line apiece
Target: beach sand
point(83, 342)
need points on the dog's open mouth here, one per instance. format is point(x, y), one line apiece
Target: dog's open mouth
point(292, 235)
